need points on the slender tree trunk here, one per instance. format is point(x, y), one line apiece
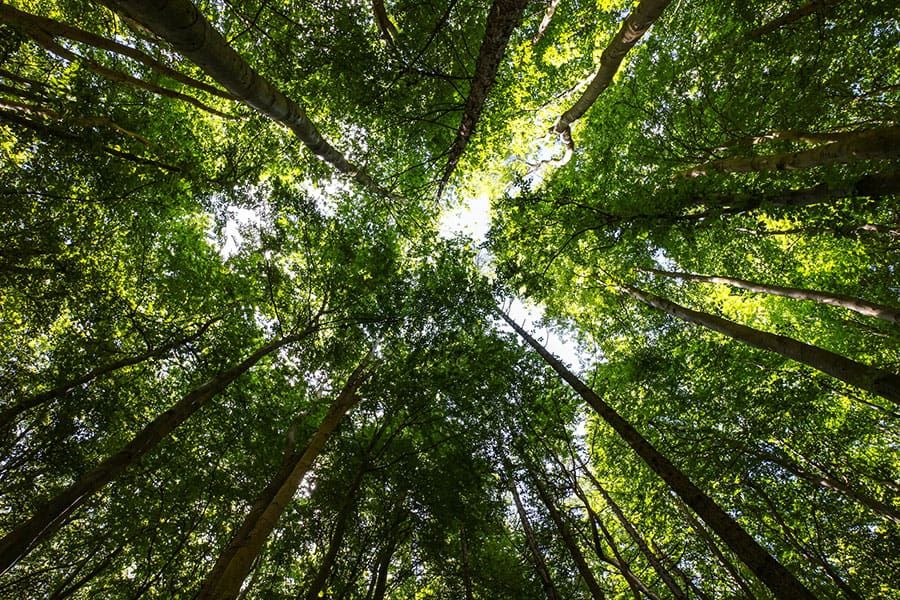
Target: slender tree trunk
point(42, 524)
point(772, 573)
point(337, 536)
point(863, 307)
point(716, 551)
point(875, 144)
point(791, 537)
point(633, 29)
point(179, 23)
point(540, 565)
point(466, 568)
point(638, 539)
point(9, 414)
point(791, 17)
point(502, 19)
point(545, 22)
point(24, 20)
point(233, 565)
point(673, 564)
point(383, 22)
point(571, 545)
point(882, 383)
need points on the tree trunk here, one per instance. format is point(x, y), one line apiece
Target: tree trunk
point(772, 573)
point(466, 569)
point(791, 17)
point(501, 21)
point(540, 565)
point(337, 536)
point(882, 383)
point(179, 23)
point(703, 534)
point(574, 551)
point(385, 27)
point(17, 18)
point(875, 144)
point(226, 577)
point(638, 539)
point(42, 524)
point(863, 307)
point(545, 22)
point(9, 414)
point(633, 28)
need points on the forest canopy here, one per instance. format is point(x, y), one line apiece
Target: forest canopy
point(244, 355)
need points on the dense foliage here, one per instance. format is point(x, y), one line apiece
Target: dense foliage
point(241, 357)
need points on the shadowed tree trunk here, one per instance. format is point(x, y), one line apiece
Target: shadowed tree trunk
point(772, 573)
point(571, 545)
point(633, 29)
point(875, 144)
point(882, 383)
point(502, 19)
point(540, 565)
point(226, 577)
point(466, 568)
point(179, 23)
point(9, 414)
point(791, 17)
point(863, 307)
point(638, 539)
point(42, 524)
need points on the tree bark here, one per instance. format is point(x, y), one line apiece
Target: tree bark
point(574, 551)
point(233, 565)
point(545, 22)
point(385, 27)
point(791, 17)
point(779, 580)
point(466, 568)
point(179, 23)
point(882, 383)
point(540, 565)
point(502, 19)
point(15, 17)
point(9, 414)
point(638, 539)
point(633, 29)
point(42, 524)
point(863, 307)
point(874, 144)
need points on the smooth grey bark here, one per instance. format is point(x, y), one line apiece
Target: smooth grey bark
point(863, 307)
point(873, 144)
point(774, 575)
point(234, 563)
point(179, 23)
point(882, 383)
point(633, 29)
point(24, 538)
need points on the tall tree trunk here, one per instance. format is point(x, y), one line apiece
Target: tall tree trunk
point(791, 17)
point(772, 573)
point(638, 539)
point(385, 27)
point(704, 535)
point(337, 535)
point(571, 545)
point(502, 19)
point(545, 22)
point(24, 20)
point(874, 144)
point(882, 383)
point(466, 567)
point(9, 414)
point(863, 307)
point(633, 29)
point(179, 23)
point(42, 524)
point(233, 565)
point(540, 565)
